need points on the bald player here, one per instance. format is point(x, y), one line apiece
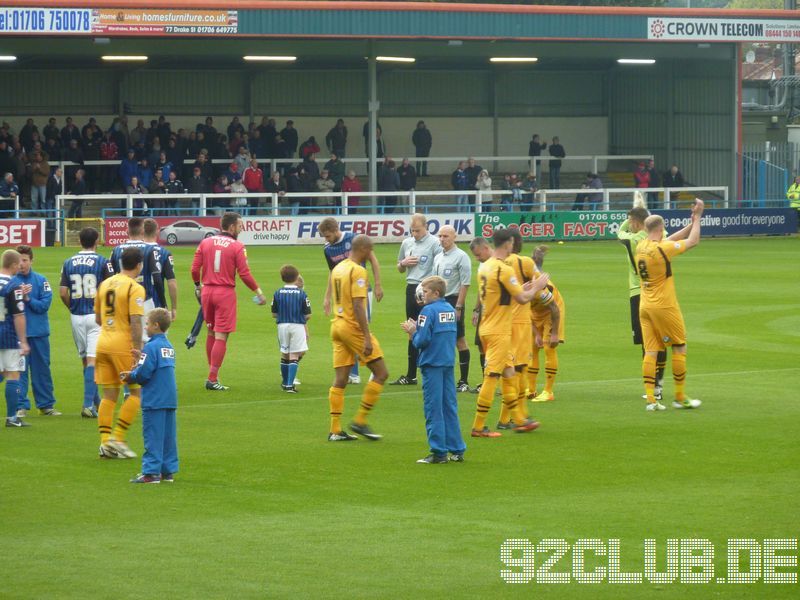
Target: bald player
point(352, 340)
point(659, 312)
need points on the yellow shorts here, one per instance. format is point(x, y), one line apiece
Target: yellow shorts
point(348, 342)
point(108, 367)
point(544, 322)
point(498, 351)
point(522, 343)
point(662, 327)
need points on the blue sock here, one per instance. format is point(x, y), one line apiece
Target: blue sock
point(12, 398)
point(354, 370)
point(284, 372)
point(292, 368)
point(89, 387)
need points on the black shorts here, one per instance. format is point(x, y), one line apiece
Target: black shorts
point(636, 326)
point(460, 320)
point(412, 308)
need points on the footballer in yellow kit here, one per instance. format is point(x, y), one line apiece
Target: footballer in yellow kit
point(351, 337)
point(548, 317)
point(349, 281)
point(118, 299)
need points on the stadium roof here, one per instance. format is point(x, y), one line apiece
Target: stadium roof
point(342, 34)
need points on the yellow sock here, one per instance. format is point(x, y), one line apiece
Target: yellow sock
point(105, 418)
point(679, 375)
point(372, 393)
point(505, 413)
point(510, 399)
point(522, 392)
point(336, 402)
point(127, 414)
point(533, 372)
point(649, 376)
point(485, 399)
point(550, 368)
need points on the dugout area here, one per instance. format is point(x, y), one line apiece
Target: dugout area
point(683, 109)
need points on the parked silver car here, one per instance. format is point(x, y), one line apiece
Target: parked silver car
point(186, 232)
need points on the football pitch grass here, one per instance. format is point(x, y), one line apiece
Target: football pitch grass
point(264, 506)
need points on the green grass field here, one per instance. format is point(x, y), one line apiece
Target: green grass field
point(265, 507)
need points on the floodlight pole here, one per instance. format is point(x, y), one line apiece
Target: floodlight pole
point(373, 106)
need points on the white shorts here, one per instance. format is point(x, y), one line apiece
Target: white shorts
point(292, 338)
point(85, 332)
point(11, 360)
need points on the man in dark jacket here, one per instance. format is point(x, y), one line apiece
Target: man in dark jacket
point(673, 178)
point(655, 181)
point(336, 140)
point(422, 140)
point(408, 176)
point(473, 170)
point(556, 150)
point(289, 135)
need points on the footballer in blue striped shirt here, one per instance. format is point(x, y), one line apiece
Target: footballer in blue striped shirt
point(291, 309)
point(337, 248)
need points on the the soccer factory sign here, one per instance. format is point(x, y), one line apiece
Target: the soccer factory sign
point(722, 30)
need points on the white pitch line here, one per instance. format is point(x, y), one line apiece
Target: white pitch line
point(294, 398)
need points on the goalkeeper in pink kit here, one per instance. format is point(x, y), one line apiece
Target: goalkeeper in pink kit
point(216, 261)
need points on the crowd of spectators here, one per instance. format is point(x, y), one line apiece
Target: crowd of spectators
point(158, 160)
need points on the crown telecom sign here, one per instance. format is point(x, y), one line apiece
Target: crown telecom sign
point(722, 30)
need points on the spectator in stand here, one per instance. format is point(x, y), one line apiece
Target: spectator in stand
point(155, 152)
point(310, 146)
point(279, 148)
point(77, 189)
point(388, 181)
point(165, 166)
point(365, 135)
point(144, 173)
point(557, 151)
point(237, 187)
point(206, 168)
point(505, 198)
point(641, 176)
point(54, 183)
point(6, 164)
point(268, 132)
point(326, 185)
point(516, 189)
point(529, 188)
point(289, 135)
point(73, 154)
point(33, 143)
point(136, 189)
point(308, 180)
point(655, 181)
point(242, 159)
point(164, 130)
point(69, 132)
point(256, 145)
point(52, 149)
point(673, 178)
point(336, 140)
point(274, 185)
point(51, 131)
point(208, 129)
point(174, 186)
point(40, 172)
point(198, 184)
point(235, 143)
point(119, 133)
point(157, 186)
point(10, 190)
point(108, 151)
point(175, 154)
point(407, 175)
point(422, 140)
point(235, 127)
point(352, 184)
point(233, 173)
point(253, 180)
point(583, 198)
point(20, 160)
point(128, 168)
point(91, 138)
point(26, 133)
point(484, 184)
point(473, 170)
point(222, 186)
point(138, 133)
point(151, 135)
point(311, 168)
point(294, 186)
point(535, 148)
point(335, 168)
point(459, 182)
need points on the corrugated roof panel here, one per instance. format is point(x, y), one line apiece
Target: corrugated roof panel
point(310, 92)
point(190, 91)
point(445, 93)
point(79, 91)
